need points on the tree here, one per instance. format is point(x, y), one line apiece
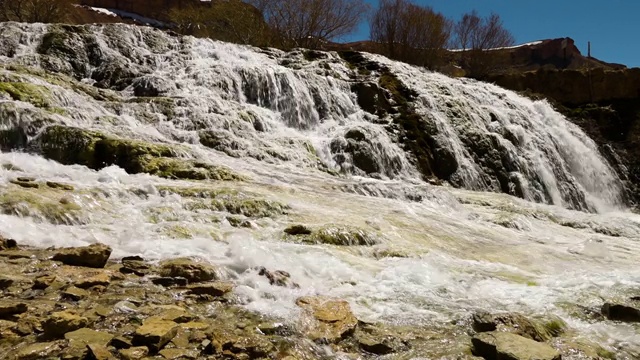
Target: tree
point(232, 21)
point(476, 36)
point(44, 11)
point(309, 23)
point(410, 33)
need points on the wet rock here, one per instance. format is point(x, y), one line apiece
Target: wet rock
point(251, 346)
point(94, 256)
point(100, 279)
point(189, 269)
point(7, 244)
point(35, 351)
point(9, 308)
point(151, 86)
point(538, 330)
point(5, 282)
point(155, 333)
point(174, 354)
point(88, 336)
point(134, 353)
point(62, 322)
point(170, 281)
point(216, 288)
point(622, 312)
point(341, 235)
point(333, 318)
point(28, 325)
point(59, 186)
point(298, 230)
point(25, 184)
point(98, 352)
point(498, 345)
point(135, 265)
point(44, 281)
point(74, 294)
point(278, 277)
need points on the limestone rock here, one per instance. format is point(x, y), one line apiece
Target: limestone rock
point(88, 336)
point(6, 244)
point(498, 345)
point(75, 294)
point(39, 351)
point(60, 186)
point(216, 288)
point(44, 281)
point(170, 281)
point(5, 282)
point(10, 308)
point(174, 354)
point(155, 333)
point(189, 269)
point(94, 256)
point(62, 322)
point(99, 352)
point(298, 230)
point(538, 330)
point(622, 312)
point(333, 318)
point(278, 277)
point(135, 265)
point(134, 353)
point(120, 342)
point(100, 279)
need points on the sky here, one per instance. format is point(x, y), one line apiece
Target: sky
point(612, 26)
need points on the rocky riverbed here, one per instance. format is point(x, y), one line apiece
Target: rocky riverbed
point(77, 303)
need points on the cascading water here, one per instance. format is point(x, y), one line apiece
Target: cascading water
point(290, 123)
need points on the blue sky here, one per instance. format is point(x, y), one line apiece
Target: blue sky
point(612, 26)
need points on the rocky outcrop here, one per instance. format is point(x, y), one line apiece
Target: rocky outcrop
point(95, 256)
point(502, 346)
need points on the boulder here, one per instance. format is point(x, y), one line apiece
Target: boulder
point(62, 322)
point(189, 269)
point(94, 256)
point(332, 319)
point(498, 345)
point(622, 312)
point(155, 333)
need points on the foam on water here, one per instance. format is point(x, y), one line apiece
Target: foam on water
point(282, 115)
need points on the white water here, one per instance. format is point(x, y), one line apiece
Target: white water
point(467, 250)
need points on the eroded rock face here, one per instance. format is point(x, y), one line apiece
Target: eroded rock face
point(94, 256)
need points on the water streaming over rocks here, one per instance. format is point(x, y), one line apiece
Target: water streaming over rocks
point(184, 147)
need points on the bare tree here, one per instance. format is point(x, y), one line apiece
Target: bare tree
point(309, 23)
point(476, 36)
point(410, 33)
point(233, 21)
point(45, 11)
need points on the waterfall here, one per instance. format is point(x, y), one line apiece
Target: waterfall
point(280, 106)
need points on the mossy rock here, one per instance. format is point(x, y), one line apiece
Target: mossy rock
point(21, 91)
point(342, 235)
point(253, 208)
point(40, 204)
point(69, 145)
point(196, 192)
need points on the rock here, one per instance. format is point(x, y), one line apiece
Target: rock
point(62, 322)
point(28, 325)
point(98, 352)
point(6, 244)
point(538, 330)
point(134, 353)
point(5, 282)
point(9, 308)
point(100, 279)
point(278, 277)
point(375, 346)
point(41, 350)
point(135, 266)
point(155, 333)
point(216, 288)
point(621, 312)
point(253, 346)
point(170, 281)
point(341, 235)
point(88, 336)
point(120, 342)
point(75, 294)
point(151, 86)
point(60, 186)
point(174, 354)
point(43, 282)
point(94, 256)
point(25, 184)
point(333, 318)
point(189, 269)
point(498, 345)
point(297, 230)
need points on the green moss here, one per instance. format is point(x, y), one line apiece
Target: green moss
point(197, 192)
point(342, 235)
point(20, 91)
point(555, 327)
point(174, 168)
point(254, 208)
point(41, 205)
point(164, 105)
point(177, 232)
